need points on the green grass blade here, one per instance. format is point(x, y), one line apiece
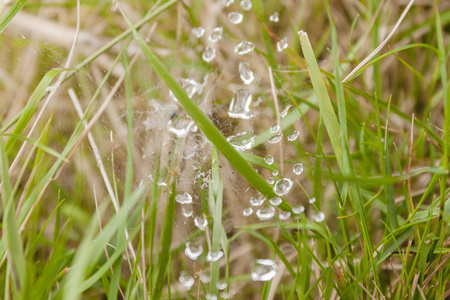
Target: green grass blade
point(6, 18)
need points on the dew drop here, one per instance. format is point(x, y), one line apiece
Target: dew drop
point(282, 44)
point(227, 3)
point(293, 135)
point(193, 249)
point(283, 186)
point(241, 141)
point(258, 102)
point(246, 73)
point(225, 295)
point(190, 86)
point(284, 215)
point(198, 32)
point(216, 34)
point(276, 138)
point(187, 212)
point(285, 111)
point(235, 17)
point(265, 213)
point(274, 128)
point(270, 180)
point(208, 296)
point(180, 126)
point(275, 172)
point(200, 222)
point(240, 104)
point(275, 201)
point(51, 88)
point(257, 200)
point(247, 212)
point(246, 5)
point(221, 285)
point(214, 255)
point(275, 17)
point(298, 209)
point(319, 217)
point(205, 278)
point(244, 48)
point(298, 169)
point(312, 200)
point(186, 280)
point(184, 198)
point(268, 159)
point(264, 270)
point(209, 54)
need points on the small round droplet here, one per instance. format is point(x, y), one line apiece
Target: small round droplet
point(241, 141)
point(246, 5)
point(298, 209)
point(208, 296)
point(240, 104)
point(276, 138)
point(275, 172)
point(221, 285)
point(244, 47)
point(227, 3)
point(312, 200)
point(283, 186)
point(216, 35)
point(319, 217)
point(187, 211)
point(186, 280)
point(285, 111)
point(247, 211)
point(284, 215)
point(257, 200)
point(200, 222)
point(265, 213)
point(298, 169)
point(274, 128)
point(209, 54)
point(293, 135)
point(198, 32)
point(205, 278)
point(270, 180)
point(268, 159)
point(246, 73)
point(264, 270)
point(275, 201)
point(235, 17)
point(193, 249)
point(214, 255)
point(282, 44)
point(275, 17)
point(184, 198)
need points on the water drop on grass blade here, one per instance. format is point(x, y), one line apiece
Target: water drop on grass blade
point(319, 217)
point(284, 215)
point(227, 3)
point(247, 212)
point(268, 159)
point(275, 127)
point(240, 104)
point(200, 222)
point(221, 285)
point(276, 138)
point(216, 34)
point(187, 212)
point(242, 141)
point(264, 270)
point(257, 200)
point(283, 186)
point(193, 250)
point(293, 135)
point(235, 17)
point(244, 48)
point(180, 126)
point(298, 209)
point(298, 169)
point(285, 111)
point(205, 278)
point(282, 44)
point(186, 280)
point(198, 32)
point(246, 5)
point(265, 213)
point(246, 73)
point(209, 54)
point(270, 180)
point(214, 256)
point(275, 201)
point(312, 200)
point(184, 198)
point(275, 17)
point(275, 172)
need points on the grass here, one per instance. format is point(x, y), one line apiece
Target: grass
point(365, 83)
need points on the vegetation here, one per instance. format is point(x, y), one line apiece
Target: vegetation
point(220, 149)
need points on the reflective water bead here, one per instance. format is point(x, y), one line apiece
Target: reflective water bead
point(283, 186)
point(312, 200)
point(193, 249)
point(275, 172)
point(184, 198)
point(205, 278)
point(246, 5)
point(235, 17)
point(180, 126)
point(187, 211)
point(247, 211)
point(221, 285)
point(209, 296)
point(319, 217)
point(198, 31)
point(274, 128)
point(276, 138)
point(209, 54)
point(241, 141)
point(268, 159)
point(216, 34)
point(293, 135)
point(190, 86)
point(246, 73)
point(285, 111)
point(257, 200)
point(284, 215)
point(186, 280)
point(270, 180)
point(240, 104)
point(265, 213)
point(298, 209)
point(228, 2)
point(214, 255)
point(275, 17)
point(282, 44)
point(200, 222)
point(275, 201)
point(298, 169)
point(264, 270)
point(244, 48)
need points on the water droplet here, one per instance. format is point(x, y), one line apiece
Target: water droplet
point(275, 201)
point(284, 215)
point(214, 255)
point(264, 270)
point(187, 211)
point(186, 280)
point(240, 104)
point(282, 44)
point(312, 200)
point(180, 126)
point(275, 17)
point(244, 48)
point(51, 88)
point(247, 212)
point(258, 102)
point(205, 278)
point(275, 172)
point(208, 296)
point(298, 169)
point(257, 200)
point(198, 32)
point(193, 249)
point(294, 135)
point(246, 5)
point(225, 295)
point(285, 111)
point(265, 213)
point(298, 209)
point(221, 285)
point(209, 54)
point(235, 17)
point(270, 180)
point(319, 217)
point(283, 186)
point(227, 3)
point(216, 34)
point(184, 198)
point(241, 141)
point(268, 159)
point(246, 73)
point(276, 138)
point(190, 86)
point(275, 127)
point(200, 222)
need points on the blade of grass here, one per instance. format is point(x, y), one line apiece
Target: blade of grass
point(6, 18)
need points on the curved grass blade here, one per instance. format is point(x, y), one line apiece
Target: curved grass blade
point(4, 21)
